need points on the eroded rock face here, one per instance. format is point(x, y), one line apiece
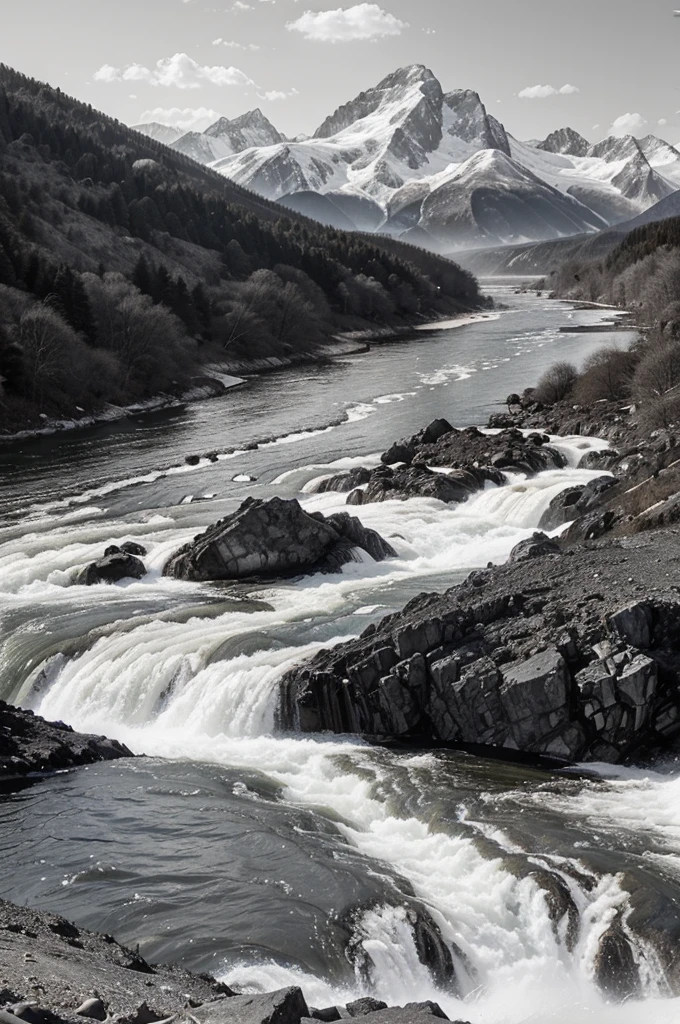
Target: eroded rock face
point(275, 538)
point(555, 655)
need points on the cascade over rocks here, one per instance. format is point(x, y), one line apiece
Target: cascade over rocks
point(573, 656)
point(471, 458)
point(275, 538)
point(29, 744)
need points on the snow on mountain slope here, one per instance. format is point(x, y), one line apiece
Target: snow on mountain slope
point(663, 157)
point(437, 163)
point(404, 129)
point(160, 132)
point(493, 198)
point(224, 138)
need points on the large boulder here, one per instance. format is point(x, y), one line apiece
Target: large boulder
point(287, 1006)
point(562, 509)
point(537, 546)
point(116, 566)
point(275, 539)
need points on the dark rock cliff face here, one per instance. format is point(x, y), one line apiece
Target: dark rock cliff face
point(570, 655)
point(473, 123)
point(565, 140)
point(29, 744)
point(276, 538)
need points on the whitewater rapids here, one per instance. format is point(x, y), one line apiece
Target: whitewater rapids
point(190, 672)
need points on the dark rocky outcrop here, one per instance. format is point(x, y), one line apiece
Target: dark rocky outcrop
point(572, 656)
point(117, 564)
point(470, 458)
point(440, 444)
point(388, 484)
point(275, 538)
point(29, 744)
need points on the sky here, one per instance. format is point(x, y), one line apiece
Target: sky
point(599, 66)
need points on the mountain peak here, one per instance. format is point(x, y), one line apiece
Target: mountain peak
point(565, 141)
point(470, 121)
point(398, 95)
point(616, 147)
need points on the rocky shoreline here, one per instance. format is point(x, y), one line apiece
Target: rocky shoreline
point(52, 972)
point(569, 651)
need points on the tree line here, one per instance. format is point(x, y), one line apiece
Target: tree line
point(641, 274)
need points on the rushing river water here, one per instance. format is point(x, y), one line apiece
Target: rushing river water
point(270, 859)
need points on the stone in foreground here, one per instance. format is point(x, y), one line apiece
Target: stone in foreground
point(287, 1006)
point(275, 539)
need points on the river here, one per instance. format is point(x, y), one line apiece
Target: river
point(273, 859)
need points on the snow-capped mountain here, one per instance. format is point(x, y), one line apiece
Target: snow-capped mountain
point(164, 133)
point(565, 141)
point(409, 159)
point(220, 140)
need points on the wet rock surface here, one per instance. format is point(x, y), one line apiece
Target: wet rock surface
point(116, 565)
point(571, 655)
point(470, 457)
point(275, 538)
point(29, 744)
point(52, 972)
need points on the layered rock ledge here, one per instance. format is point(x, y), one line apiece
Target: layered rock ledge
point(29, 744)
point(573, 654)
point(275, 538)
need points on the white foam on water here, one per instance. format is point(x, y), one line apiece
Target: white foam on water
point(174, 689)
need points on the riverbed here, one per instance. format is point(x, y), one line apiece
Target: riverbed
point(269, 859)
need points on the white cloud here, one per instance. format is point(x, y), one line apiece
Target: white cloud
point(662, 121)
point(363, 21)
point(541, 92)
point(186, 118)
point(627, 124)
point(274, 95)
point(179, 71)
point(236, 46)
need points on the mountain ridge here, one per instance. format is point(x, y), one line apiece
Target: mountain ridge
point(406, 139)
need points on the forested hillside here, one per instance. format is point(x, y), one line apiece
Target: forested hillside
point(125, 265)
point(642, 273)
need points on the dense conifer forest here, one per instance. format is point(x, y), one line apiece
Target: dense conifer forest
point(125, 266)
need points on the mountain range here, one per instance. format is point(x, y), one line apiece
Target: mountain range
point(436, 168)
